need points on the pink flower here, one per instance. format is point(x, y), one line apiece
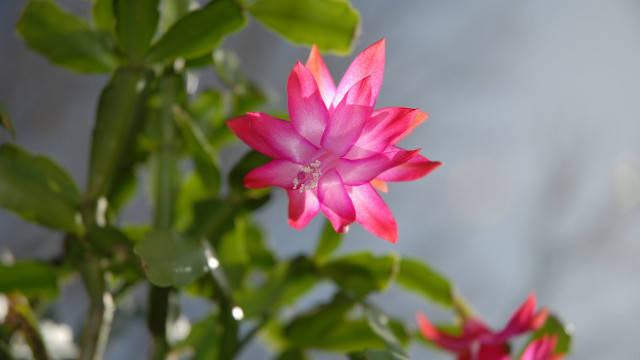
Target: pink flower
point(336, 147)
point(542, 349)
point(478, 342)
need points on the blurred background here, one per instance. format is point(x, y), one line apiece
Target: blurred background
point(534, 111)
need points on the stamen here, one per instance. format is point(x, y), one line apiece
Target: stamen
point(309, 175)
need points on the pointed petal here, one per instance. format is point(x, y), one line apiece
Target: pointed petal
point(372, 212)
point(385, 125)
point(417, 167)
point(280, 137)
point(419, 119)
point(308, 112)
point(278, 173)
point(493, 352)
point(335, 202)
point(241, 126)
point(316, 65)
point(541, 349)
point(303, 206)
point(362, 171)
point(370, 62)
point(380, 185)
point(520, 321)
point(445, 341)
point(347, 120)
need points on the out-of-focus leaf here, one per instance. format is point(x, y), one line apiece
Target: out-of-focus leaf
point(65, 39)
point(330, 24)
point(171, 11)
point(213, 218)
point(136, 23)
point(29, 277)
point(286, 282)
point(198, 32)
point(204, 338)
point(379, 323)
point(554, 327)
point(103, 16)
point(170, 258)
point(327, 244)
point(204, 156)
point(192, 190)
point(260, 255)
point(37, 189)
point(233, 255)
point(208, 109)
point(5, 122)
point(362, 273)
point(108, 239)
point(247, 97)
point(377, 355)
point(228, 69)
point(293, 354)
point(314, 325)
point(118, 112)
point(416, 276)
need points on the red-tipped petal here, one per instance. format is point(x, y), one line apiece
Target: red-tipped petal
point(347, 120)
point(419, 119)
point(335, 202)
point(241, 126)
point(316, 65)
point(280, 137)
point(445, 341)
point(372, 213)
point(307, 110)
point(417, 167)
point(369, 63)
point(520, 321)
point(362, 171)
point(378, 133)
point(303, 206)
point(278, 173)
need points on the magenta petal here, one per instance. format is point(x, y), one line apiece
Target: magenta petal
point(241, 126)
point(493, 352)
point(417, 167)
point(520, 322)
point(541, 349)
point(378, 133)
point(347, 120)
point(419, 119)
point(372, 213)
point(335, 202)
point(278, 173)
point(307, 111)
point(316, 65)
point(369, 63)
point(362, 171)
point(281, 138)
point(303, 206)
point(445, 341)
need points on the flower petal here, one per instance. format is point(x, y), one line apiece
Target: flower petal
point(303, 206)
point(347, 120)
point(280, 137)
point(445, 341)
point(362, 171)
point(380, 185)
point(316, 65)
point(335, 202)
point(278, 173)
point(372, 213)
point(494, 352)
point(370, 62)
point(522, 320)
point(417, 167)
point(541, 349)
point(307, 110)
point(241, 126)
point(384, 126)
point(419, 119)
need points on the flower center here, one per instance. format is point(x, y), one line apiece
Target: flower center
point(309, 175)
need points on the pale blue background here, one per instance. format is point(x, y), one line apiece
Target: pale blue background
point(534, 110)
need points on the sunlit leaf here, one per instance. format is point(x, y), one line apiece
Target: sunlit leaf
point(136, 23)
point(361, 273)
point(198, 32)
point(29, 277)
point(37, 189)
point(103, 16)
point(416, 276)
point(171, 11)
point(171, 258)
point(65, 39)
point(379, 323)
point(330, 24)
